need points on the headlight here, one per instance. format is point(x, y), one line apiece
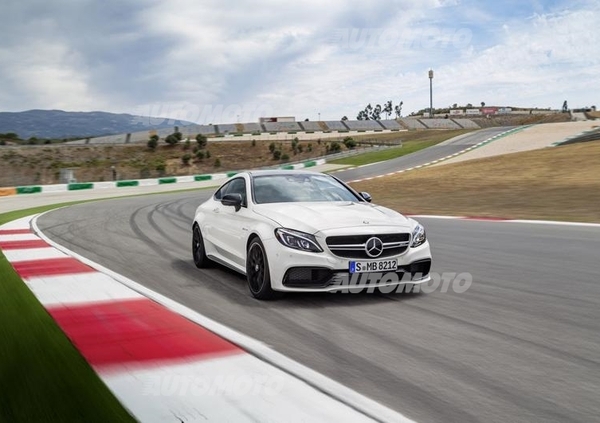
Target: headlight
point(418, 236)
point(298, 240)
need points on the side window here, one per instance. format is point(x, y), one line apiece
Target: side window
point(222, 191)
point(236, 186)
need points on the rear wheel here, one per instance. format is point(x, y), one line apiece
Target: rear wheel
point(257, 271)
point(198, 251)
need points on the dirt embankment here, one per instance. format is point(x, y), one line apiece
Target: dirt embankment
point(42, 165)
point(559, 183)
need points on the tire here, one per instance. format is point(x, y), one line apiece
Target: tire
point(257, 272)
point(198, 251)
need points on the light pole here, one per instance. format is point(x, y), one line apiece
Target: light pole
point(430, 93)
point(319, 116)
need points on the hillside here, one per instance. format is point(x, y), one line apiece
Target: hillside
point(58, 124)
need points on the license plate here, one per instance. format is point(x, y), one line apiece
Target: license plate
point(373, 266)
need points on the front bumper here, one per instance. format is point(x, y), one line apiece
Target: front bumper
point(299, 271)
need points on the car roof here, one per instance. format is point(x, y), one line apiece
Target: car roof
point(281, 172)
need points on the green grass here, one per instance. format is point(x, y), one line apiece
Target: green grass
point(408, 147)
point(411, 141)
point(44, 378)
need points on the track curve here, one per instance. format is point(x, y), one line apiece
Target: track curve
point(424, 156)
point(521, 344)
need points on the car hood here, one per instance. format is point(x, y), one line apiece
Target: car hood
point(322, 216)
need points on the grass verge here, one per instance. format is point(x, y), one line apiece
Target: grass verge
point(559, 183)
point(44, 377)
point(411, 141)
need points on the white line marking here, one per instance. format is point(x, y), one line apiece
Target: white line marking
point(330, 387)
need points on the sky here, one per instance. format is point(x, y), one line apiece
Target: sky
point(221, 61)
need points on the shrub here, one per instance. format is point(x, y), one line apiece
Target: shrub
point(153, 142)
point(276, 155)
point(171, 140)
point(207, 154)
point(201, 140)
point(187, 144)
point(253, 143)
point(300, 148)
point(334, 147)
point(2, 142)
point(217, 162)
point(272, 147)
point(349, 142)
point(161, 166)
point(185, 159)
point(178, 135)
point(200, 154)
point(309, 147)
point(285, 157)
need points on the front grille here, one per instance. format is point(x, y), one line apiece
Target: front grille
point(307, 277)
point(353, 246)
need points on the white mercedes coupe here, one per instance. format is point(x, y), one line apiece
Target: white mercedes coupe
point(300, 231)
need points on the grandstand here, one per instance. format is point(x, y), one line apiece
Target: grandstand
point(363, 125)
point(311, 126)
point(391, 124)
point(282, 127)
point(439, 123)
point(267, 128)
point(335, 125)
point(227, 128)
point(466, 123)
point(412, 123)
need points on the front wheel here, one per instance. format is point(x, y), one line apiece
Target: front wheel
point(257, 271)
point(198, 250)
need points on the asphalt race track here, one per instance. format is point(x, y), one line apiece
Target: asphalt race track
point(521, 344)
point(421, 157)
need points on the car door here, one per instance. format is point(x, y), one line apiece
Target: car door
point(231, 225)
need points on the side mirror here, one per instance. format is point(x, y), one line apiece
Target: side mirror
point(366, 196)
point(234, 200)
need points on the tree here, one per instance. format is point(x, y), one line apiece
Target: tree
point(10, 136)
point(565, 107)
point(469, 106)
point(483, 104)
point(153, 142)
point(376, 113)
point(344, 117)
point(388, 109)
point(171, 139)
point(368, 111)
point(398, 109)
point(201, 140)
point(185, 159)
point(455, 106)
point(349, 143)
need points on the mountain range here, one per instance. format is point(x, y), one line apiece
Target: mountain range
point(58, 124)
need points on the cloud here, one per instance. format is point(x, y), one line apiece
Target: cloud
point(193, 58)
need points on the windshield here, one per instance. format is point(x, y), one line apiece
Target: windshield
point(299, 187)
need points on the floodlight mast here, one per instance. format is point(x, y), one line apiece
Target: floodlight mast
point(430, 93)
